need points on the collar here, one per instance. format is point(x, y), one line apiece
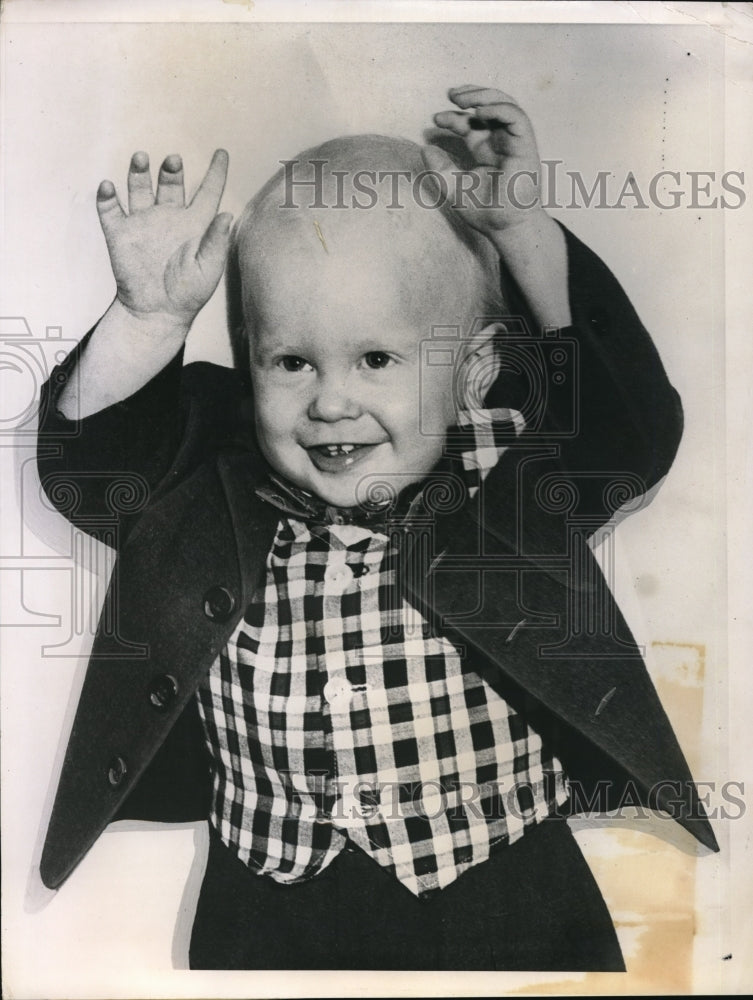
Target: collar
point(474, 446)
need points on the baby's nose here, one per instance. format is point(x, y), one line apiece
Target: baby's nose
point(334, 399)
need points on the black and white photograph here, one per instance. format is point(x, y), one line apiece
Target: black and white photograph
point(375, 439)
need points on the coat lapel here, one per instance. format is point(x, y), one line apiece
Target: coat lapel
point(209, 536)
point(555, 633)
point(254, 522)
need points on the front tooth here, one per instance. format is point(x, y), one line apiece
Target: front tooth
point(340, 449)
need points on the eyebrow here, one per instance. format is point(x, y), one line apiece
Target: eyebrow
point(395, 344)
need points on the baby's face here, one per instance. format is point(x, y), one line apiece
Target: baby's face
point(340, 394)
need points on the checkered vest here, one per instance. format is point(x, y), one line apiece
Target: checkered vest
point(335, 715)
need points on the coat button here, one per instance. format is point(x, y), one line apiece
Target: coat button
point(117, 771)
point(162, 691)
point(219, 604)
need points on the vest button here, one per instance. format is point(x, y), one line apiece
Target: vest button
point(339, 575)
point(346, 811)
point(162, 691)
point(117, 771)
point(338, 693)
point(219, 604)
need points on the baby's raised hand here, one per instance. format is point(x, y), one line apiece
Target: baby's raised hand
point(167, 257)
point(505, 189)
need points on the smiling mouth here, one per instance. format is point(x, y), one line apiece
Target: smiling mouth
point(338, 457)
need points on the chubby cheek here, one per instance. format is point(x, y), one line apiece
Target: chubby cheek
point(276, 420)
point(419, 427)
point(435, 405)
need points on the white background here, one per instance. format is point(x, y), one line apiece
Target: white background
point(78, 98)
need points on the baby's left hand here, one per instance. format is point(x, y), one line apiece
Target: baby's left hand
point(505, 190)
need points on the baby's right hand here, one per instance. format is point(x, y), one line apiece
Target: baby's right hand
point(167, 257)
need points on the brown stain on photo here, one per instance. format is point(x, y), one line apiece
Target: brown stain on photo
point(648, 884)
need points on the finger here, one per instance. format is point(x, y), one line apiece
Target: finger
point(507, 115)
point(139, 183)
point(456, 121)
point(468, 97)
point(109, 208)
point(464, 89)
point(213, 247)
point(207, 198)
point(170, 189)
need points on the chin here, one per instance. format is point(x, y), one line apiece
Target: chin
point(349, 489)
point(327, 489)
point(367, 487)
point(336, 494)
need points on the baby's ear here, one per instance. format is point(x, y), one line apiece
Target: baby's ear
point(480, 367)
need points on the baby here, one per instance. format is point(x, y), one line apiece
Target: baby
point(380, 700)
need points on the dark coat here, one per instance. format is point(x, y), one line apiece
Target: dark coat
point(167, 477)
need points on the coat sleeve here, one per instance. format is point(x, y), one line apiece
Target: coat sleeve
point(110, 466)
point(617, 410)
point(602, 418)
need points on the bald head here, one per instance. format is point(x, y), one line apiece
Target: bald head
point(340, 225)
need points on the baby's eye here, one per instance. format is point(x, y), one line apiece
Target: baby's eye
point(377, 359)
point(292, 363)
